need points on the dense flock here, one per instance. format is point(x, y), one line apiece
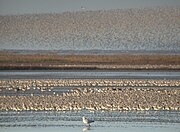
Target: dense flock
point(45, 84)
point(119, 29)
point(89, 94)
point(106, 99)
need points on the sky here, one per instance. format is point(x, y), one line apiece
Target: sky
point(9, 7)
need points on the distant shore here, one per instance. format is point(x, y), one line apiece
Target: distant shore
point(118, 61)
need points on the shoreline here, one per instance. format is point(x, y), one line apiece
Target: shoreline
point(122, 61)
point(88, 67)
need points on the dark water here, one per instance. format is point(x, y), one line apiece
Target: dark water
point(156, 121)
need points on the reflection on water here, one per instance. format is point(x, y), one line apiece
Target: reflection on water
point(86, 128)
point(32, 121)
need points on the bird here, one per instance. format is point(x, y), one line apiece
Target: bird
point(87, 121)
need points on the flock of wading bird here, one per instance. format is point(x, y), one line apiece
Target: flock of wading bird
point(91, 94)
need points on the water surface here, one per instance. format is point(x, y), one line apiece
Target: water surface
point(156, 121)
point(89, 74)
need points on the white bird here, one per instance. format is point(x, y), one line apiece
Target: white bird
point(87, 121)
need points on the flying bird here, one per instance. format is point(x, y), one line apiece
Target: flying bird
point(87, 121)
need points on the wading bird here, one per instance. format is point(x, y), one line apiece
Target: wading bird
point(87, 121)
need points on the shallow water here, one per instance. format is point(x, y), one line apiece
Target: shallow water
point(156, 121)
point(45, 121)
point(89, 74)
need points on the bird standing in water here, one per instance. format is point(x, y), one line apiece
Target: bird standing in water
point(87, 121)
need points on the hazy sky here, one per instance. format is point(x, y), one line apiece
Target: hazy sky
point(45, 6)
